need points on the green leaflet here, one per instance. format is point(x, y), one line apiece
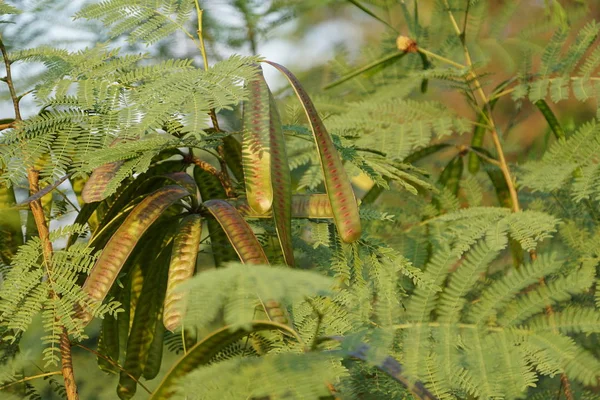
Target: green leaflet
point(555, 126)
point(282, 184)
point(95, 186)
point(376, 190)
point(205, 350)
point(233, 157)
point(313, 206)
point(11, 236)
point(183, 263)
point(375, 65)
point(238, 232)
point(256, 152)
point(337, 184)
point(143, 355)
point(210, 188)
point(120, 245)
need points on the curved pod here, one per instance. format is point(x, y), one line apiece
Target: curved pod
point(337, 184)
point(238, 232)
point(121, 244)
point(282, 185)
point(181, 268)
point(256, 152)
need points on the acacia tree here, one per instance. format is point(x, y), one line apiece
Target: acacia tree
point(228, 263)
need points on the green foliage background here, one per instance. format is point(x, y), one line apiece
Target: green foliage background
point(473, 153)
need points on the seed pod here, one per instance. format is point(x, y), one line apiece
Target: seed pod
point(450, 177)
point(144, 348)
point(282, 185)
point(94, 188)
point(256, 154)
point(555, 126)
point(313, 206)
point(337, 184)
point(120, 245)
point(210, 188)
point(233, 157)
point(10, 225)
point(183, 263)
point(204, 351)
point(238, 232)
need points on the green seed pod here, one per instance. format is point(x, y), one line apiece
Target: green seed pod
point(183, 263)
point(204, 351)
point(313, 206)
point(282, 185)
point(337, 184)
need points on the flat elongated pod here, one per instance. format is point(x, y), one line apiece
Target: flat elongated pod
point(211, 188)
point(282, 184)
point(452, 173)
point(184, 180)
point(120, 245)
point(256, 152)
point(313, 206)
point(11, 235)
point(233, 156)
point(144, 354)
point(94, 188)
point(555, 126)
point(238, 232)
point(337, 184)
point(181, 268)
point(204, 351)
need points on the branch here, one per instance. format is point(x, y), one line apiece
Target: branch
point(37, 210)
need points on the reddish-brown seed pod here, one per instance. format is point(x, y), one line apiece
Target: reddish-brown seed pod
point(181, 268)
point(313, 206)
point(94, 188)
point(337, 184)
point(256, 152)
point(121, 244)
point(238, 232)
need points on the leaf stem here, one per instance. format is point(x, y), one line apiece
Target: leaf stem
point(441, 58)
point(112, 362)
point(30, 378)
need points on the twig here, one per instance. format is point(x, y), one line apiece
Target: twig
point(6, 126)
point(30, 378)
point(212, 113)
point(112, 362)
point(9, 81)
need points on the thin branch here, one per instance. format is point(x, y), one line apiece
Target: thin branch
point(30, 378)
point(212, 113)
point(6, 126)
point(37, 210)
point(112, 362)
point(9, 81)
